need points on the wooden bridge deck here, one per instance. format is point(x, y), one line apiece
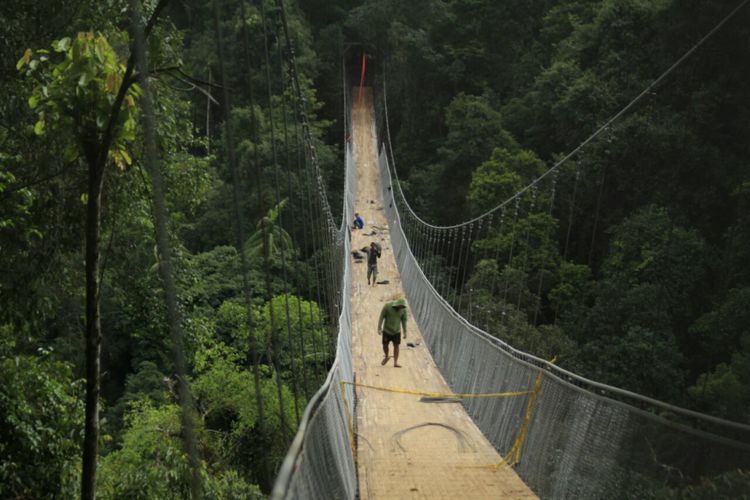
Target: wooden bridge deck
point(407, 448)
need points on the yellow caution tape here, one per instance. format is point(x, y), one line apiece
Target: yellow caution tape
point(438, 394)
point(350, 421)
point(512, 458)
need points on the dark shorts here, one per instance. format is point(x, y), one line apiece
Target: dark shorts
point(396, 339)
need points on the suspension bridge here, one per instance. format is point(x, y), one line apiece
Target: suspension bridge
point(468, 415)
point(466, 407)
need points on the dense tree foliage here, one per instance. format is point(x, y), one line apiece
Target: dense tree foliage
point(632, 271)
point(74, 105)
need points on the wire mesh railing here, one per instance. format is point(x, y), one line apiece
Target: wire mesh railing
point(585, 439)
point(320, 463)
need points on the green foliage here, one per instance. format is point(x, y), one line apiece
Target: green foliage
point(572, 294)
point(147, 384)
point(151, 463)
point(493, 306)
point(525, 244)
point(152, 437)
point(270, 240)
point(41, 421)
point(224, 389)
point(664, 243)
point(16, 204)
point(725, 390)
point(475, 129)
point(718, 333)
point(80, 90)
point(298, 337)
point(639, 359)
point(214, 277)
point(482, 96)
point(642, 305)
point(298, 323)
point(731, 484)
point(53, 123)
point(500, 177)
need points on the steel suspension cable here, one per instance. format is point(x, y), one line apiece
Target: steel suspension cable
point(496, 269)
point(287, 157)
point(300, 326)
point(512, 245)
point(274, 154)
point(524, 263)
point(572, 209)
point(458, 266)
point(255, 351)
point(485, 256)
point(449, 277)
point(305, 279)
point(465, 265)
point(317, 223)
point(596, 213)
point(545, 238)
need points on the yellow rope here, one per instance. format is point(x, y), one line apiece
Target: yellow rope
point(438, 394)
point(514, 456)
point(349, 421)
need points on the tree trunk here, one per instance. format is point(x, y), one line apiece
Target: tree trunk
point(93, 325)
point(96, 152)
point(166, 268)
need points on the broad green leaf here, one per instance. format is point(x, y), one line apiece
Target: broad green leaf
point(63, 44)
point(33, 101)
point(24, 59)
point(70, 153)
point(126, 156)
point(111, 83)
point(39, 127)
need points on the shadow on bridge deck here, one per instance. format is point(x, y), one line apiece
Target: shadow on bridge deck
point(407, 448)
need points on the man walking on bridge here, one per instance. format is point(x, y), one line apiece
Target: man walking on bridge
point(390, 325)
point(373, 254)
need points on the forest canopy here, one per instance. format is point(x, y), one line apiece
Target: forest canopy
point(154, 254)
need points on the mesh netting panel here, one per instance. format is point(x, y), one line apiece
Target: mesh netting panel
point(320, 464)
point(579, 444)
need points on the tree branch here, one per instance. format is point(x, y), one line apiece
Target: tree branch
point(14, 188)
point(127, 81)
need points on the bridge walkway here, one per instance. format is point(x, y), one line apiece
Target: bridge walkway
point(407, 448)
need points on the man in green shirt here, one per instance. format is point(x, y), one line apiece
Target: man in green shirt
point(390, 325)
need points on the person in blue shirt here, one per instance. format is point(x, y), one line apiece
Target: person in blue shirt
point(359, 223)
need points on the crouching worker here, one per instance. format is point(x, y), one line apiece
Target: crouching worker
point(359, 222)
point(391, 324)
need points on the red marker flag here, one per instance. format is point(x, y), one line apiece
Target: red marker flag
point(362, 76)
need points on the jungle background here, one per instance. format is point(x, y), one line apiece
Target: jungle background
point(651, 293)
